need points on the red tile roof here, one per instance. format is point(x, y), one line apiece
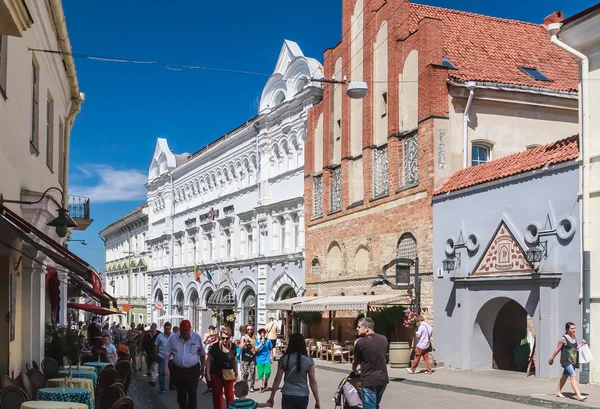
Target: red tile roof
point(491, 49)
point(535, 158)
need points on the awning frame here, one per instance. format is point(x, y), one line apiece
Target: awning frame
point(349, 303)
point(80, 271)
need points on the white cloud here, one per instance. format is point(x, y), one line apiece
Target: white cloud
point(107, 184)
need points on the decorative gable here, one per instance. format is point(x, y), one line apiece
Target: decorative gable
point(503, 255)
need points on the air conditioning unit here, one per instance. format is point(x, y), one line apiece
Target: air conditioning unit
point(440, 273)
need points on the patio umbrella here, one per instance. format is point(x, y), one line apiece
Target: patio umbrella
point(172, 317)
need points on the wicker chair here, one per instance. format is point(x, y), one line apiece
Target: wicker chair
point(128, 381)
point(124, 403)
point(123, 368)
point(50, 368)
point(35, 365)
point(107, 377)
point(109, 396)
point(12, 398)
point(6, 382)
point(27, 385)
point(38, 380)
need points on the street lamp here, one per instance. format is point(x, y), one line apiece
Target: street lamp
point(354, 90)
point(62, 223)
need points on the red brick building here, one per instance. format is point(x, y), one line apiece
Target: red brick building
point(372, 165)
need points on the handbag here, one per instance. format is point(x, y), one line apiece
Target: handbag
point(228, 374)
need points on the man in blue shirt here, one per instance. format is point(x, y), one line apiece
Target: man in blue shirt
point(160, 347)
point(264, 359)
point(188, 354)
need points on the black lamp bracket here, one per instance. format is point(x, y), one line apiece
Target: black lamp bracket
point(26, 202)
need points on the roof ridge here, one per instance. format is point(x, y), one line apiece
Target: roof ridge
point(509, 165)
point(469, 13)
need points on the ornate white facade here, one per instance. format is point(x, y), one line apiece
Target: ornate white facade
point(235, 208)
point(126, 259)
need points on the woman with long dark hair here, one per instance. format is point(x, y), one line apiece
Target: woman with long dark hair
point(568, 347)
point(297, 370)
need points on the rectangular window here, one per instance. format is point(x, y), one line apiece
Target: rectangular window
point(249, 240)
point(228, 246)
point(335, 204)
point(384, 104)
point(338, 130)
point(61, 152)
point(296, 231)
point(409, 163)
point(317, 196)
point(380, 172)
point(35, 108)
point(479, 154)
point(3, 64)
point(50, 132)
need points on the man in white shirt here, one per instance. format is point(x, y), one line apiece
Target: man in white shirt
point(187, 351)
point(424, 347)
point(160, 346)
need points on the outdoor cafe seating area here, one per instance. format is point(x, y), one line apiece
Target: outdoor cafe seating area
point(91, 385)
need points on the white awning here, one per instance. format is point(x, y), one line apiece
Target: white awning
point(286, 305)
point(350, 302)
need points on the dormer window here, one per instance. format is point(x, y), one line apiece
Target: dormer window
point(279, 99)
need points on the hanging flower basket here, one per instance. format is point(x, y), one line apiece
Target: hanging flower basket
point(230, 318)
point(411, 319)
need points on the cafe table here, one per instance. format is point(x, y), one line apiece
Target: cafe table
point(98, 365)
point(72, 383)
point(74, 395)
point(81, 367)
point(46, 404)
point(81, 374)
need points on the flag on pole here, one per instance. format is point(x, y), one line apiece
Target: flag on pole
point(197, 272)
point(207, 272)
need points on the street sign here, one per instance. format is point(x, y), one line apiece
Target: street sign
point(127, 308)
point(402, 274)
point(158, 305)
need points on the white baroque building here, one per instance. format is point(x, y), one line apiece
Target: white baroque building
point(126, 264)
point(235, 208)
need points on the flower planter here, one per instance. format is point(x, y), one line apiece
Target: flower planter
point(399, 354)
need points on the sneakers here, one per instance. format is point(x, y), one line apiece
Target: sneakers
point(251, 389)
point(410, 371)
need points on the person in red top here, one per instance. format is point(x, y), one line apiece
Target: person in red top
point(371, 353)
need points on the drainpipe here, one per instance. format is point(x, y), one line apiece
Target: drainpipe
point(471, 87)
point(77, 97)
point(584, 139)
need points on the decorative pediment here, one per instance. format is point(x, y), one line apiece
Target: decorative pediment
point(162, 161)
point(503, 255)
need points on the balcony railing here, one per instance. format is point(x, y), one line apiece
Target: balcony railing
point(79, 207)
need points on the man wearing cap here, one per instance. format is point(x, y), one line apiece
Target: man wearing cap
point(188, 354)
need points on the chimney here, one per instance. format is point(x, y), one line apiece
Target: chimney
point(556, 17)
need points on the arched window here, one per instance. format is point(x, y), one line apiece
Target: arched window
point(301, 83)
point(279, 99)
point(334, 259)
point(480, 153)
point(315, 267)
point(407, 246)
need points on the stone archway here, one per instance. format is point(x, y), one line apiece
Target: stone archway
point(501, 334)
point(179, 302)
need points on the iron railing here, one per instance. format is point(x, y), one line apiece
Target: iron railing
point(79, 207)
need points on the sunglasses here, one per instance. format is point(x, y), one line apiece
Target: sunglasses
point(225, 338)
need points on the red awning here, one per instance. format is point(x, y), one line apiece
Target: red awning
point(92, 284)
point(92, 308)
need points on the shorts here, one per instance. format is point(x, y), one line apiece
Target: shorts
point(263, 370)
point(569, 370)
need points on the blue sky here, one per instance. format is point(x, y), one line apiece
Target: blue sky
point(128, 106)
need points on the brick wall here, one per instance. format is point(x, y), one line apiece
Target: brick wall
point(377, 225)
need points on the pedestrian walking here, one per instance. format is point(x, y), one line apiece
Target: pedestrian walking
point(240, 390)
point(248, 357)
point(297, 370)
point(222, 369)
point(371, 353)
point(149, 345)
point(423, 348)
point(95, 332)
point(272, 331)
point(160, 346)
point(188, 355)
point(264, 359)
point(569, 360)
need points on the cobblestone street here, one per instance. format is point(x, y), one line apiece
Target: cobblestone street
point(409, 393)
